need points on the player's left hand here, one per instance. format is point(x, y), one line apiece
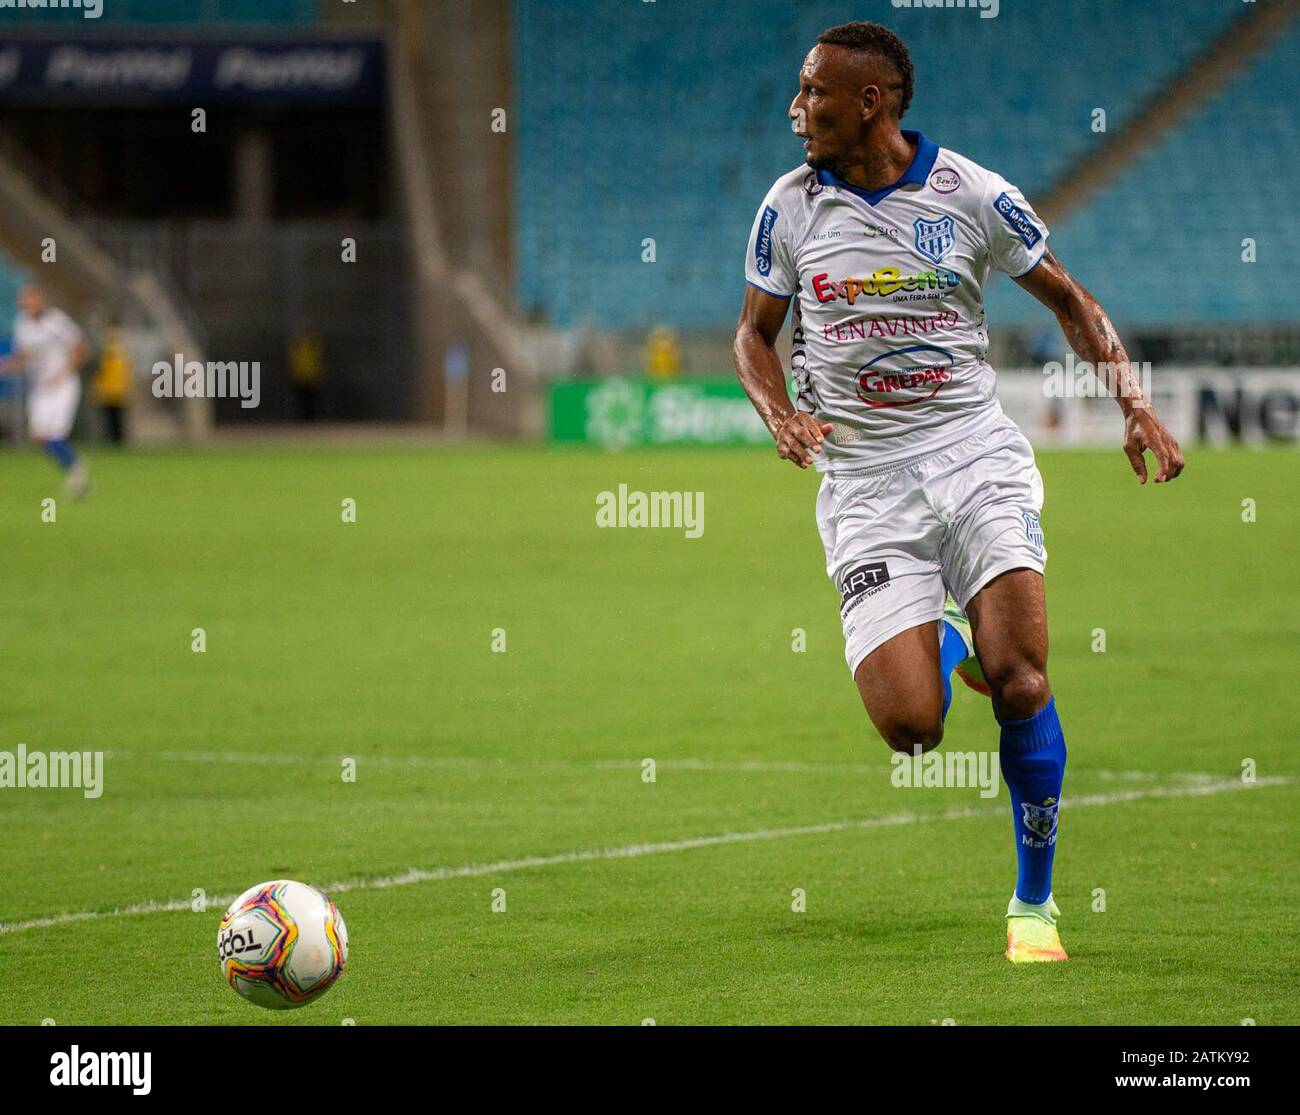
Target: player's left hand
point(1143, 431)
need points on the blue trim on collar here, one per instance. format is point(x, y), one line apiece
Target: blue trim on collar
point(917, 171)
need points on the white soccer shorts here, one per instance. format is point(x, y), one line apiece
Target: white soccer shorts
point(895, 541)
point(51, 410)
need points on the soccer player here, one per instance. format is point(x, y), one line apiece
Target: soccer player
point(51, 348)
point(884, 241)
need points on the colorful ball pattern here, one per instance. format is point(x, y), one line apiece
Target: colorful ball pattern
point(282, 944)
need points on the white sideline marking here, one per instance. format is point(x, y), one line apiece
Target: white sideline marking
point(441, 762)
point(737, 766)
point(632, 851)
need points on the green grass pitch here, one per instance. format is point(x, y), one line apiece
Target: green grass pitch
point(520, 773)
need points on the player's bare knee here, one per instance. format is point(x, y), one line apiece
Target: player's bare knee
point(1019, 690)
point(912, 735)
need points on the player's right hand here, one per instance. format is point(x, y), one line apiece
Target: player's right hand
point(799, 437)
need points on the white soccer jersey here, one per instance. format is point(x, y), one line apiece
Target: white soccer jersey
point(47, 343)
point(889, 336)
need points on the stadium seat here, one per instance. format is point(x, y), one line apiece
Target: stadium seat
point(1210, 184)
point(658, 122)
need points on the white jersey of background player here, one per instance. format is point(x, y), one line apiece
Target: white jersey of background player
point(50, 347)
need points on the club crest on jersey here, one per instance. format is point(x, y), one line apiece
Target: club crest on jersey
point(1033, 530)
point(1041, 819)
point(934, 237)
point(763, 241)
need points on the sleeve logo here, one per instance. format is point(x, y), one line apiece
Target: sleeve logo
point(1021, 225)
point(763, 241)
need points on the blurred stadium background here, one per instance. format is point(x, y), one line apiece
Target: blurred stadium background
point(561, 189)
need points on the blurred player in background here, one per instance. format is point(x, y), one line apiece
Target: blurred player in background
point(112, 385)
point(929, 505)
point(662, 356)
point(50, 348)
point(307, 370)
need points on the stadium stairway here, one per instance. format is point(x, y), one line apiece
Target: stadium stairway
point(91, 285)
point(454, 166)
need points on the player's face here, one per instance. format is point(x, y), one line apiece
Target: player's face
point(828, 108)
point(31, 299)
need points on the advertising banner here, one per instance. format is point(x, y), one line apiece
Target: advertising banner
point(1211, 405)
point(153, 69)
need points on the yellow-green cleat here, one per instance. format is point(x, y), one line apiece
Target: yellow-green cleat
point(1031, 933)
point(968, 669)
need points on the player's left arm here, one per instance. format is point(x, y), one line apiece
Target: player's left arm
point(1093, 338)
point(79, 348)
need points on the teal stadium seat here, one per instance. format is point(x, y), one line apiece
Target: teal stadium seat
point(11, 278)
point(1162, 243)
point(667, 121)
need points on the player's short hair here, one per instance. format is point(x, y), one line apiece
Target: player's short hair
point(876, 38)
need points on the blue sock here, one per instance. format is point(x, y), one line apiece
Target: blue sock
point(952, 649)
point(61, 450)
point(1033, 764)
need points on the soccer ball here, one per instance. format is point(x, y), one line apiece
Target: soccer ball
point(282, 944)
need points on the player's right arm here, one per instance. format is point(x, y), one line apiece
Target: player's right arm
point(773, 279)
point(13, 363)
point(798, 434)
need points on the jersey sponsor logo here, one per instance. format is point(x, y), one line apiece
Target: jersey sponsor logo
point(944, 180)
point(1040, 820)
point(869, 229)
point(763, 241)
point(805, 394)
point(861, 582)
point(934, 237)
point(1033, 530)
point(882, 283)
point(1021, 225)
point(869, 328)
point(904, 376)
